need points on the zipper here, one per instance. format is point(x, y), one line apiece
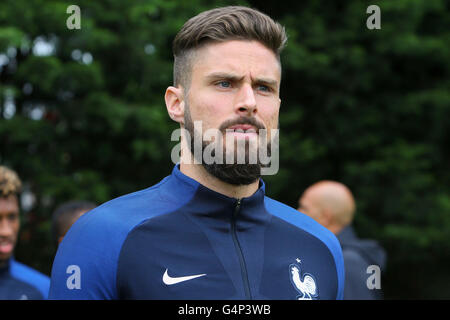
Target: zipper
point(239, 251)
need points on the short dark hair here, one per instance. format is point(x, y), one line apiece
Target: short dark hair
point(10, 183)
point(219, 25)
point(63, 215)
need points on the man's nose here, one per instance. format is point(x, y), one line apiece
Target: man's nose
point(6, 228)
point(246, 101)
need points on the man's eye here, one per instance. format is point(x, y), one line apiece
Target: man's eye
point(224, 84)
point(264, 88)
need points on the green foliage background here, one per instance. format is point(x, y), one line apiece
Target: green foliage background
point(369, 108)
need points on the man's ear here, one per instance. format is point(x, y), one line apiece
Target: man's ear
point(174, 98)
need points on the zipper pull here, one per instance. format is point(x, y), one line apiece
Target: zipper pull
point(237, 207)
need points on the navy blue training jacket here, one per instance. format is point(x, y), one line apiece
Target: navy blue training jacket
point(181, 240)
point(20, 282)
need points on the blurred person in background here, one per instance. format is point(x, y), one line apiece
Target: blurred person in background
point(332, 204)
point(17, 281)
point(65, 216)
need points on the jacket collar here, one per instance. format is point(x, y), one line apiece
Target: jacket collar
point(5, 268)
point(204, 202)
point(347, 235)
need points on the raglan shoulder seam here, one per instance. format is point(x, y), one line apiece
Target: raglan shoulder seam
point(318, 231)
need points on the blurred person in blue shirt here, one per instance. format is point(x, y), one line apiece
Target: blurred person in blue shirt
point(17, 281)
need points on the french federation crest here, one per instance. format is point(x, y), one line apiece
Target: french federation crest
point(305, 283)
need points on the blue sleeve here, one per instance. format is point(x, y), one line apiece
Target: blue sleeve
point(34, 278)
point(85, 263)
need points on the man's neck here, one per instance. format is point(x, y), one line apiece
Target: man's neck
point(335, 228)
point(4, 264)
point(199, 174)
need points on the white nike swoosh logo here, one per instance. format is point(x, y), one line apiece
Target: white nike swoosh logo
point(173, 280)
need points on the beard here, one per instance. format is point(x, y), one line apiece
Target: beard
point(234, 173)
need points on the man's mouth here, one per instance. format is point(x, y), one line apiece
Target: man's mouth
point(6, 247)
point(242, 130)
point(242, 127)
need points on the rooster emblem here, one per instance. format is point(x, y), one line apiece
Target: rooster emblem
point(305, 285)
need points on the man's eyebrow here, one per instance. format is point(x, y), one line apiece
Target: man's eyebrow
point(269, 82)
point(234, 77)
point(223, 75)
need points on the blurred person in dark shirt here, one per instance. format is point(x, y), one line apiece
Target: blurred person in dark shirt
point(66, 215)
point(332, 204)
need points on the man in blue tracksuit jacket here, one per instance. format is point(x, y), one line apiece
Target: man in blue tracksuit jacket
point(208, 231)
